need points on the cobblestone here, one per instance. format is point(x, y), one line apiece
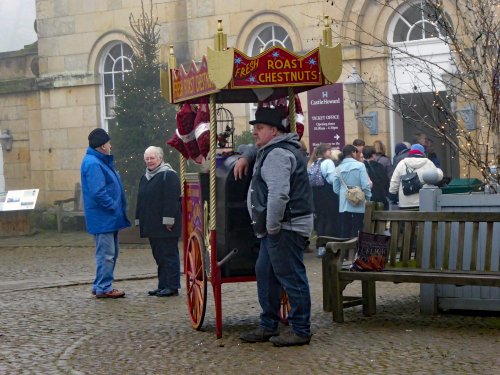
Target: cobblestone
point(50, 324)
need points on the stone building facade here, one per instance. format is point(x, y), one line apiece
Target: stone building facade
point(52, 94)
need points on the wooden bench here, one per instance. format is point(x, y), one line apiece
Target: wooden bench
point(63, 209)
point(425, 248)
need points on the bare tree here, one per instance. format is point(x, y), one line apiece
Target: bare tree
point(468, 110)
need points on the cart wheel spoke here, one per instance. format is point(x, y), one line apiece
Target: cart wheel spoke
point(284, 307)
point(196, 279)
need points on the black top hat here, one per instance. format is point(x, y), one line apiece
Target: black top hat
point(269, 116)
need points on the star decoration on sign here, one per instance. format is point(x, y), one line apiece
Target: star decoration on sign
point(275, 55)
point(238, 60)
point(252, 79)
point(312, 61)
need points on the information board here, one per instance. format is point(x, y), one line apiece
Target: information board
point(15, 200)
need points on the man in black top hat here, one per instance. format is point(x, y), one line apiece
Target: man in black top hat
point(280, 205)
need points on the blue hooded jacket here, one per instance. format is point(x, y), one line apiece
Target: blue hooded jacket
point(103, 196)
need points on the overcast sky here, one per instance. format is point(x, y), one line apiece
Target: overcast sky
point(16, 24)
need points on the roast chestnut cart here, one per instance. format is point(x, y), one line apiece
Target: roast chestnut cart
point(219, 245)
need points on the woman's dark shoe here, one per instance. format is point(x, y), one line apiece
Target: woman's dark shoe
point(167, 293)
point(153, 292)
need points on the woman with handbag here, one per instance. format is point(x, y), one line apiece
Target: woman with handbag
point(352, 185)
point(402, 183)
point(321, 171)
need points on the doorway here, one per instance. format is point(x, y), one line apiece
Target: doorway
point(417, 115)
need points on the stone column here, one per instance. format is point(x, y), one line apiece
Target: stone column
point(429, 195)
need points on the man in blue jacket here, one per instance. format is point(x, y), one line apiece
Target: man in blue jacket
point(105, 210)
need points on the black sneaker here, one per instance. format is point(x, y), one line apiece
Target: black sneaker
point(167, 293)
point(153, 292)
point(290, 339)
point(258, 335)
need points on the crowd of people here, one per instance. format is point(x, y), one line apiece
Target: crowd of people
point(288, 196)
point(369, 168)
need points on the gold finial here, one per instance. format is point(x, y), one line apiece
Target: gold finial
point(171, 60)
point(220, 39)
point(327, 32)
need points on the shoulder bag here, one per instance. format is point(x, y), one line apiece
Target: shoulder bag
point(354, 194)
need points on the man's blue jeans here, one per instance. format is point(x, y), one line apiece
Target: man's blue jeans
point(280, 265)
point(106, 253)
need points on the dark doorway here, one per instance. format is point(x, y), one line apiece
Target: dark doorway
point(420, 112)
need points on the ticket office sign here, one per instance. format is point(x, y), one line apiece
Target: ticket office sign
point(326, 116)
point(276, 67)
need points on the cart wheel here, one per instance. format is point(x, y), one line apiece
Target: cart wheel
point(284, 308)
point(196, 279)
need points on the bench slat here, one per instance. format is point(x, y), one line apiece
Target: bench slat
point(394, 242)
point(475, 246)
point(436, 216)
point(489, 247)
point(405, 255)
point(433, 249)
point(460, 246)
point(447, 246)
point(420, 247)
point(425, 277)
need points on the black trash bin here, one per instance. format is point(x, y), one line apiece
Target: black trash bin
point(234, 229)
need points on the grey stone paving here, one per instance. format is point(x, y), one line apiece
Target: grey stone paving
point(50, 324)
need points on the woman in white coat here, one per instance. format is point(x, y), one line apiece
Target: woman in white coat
point(415, 162)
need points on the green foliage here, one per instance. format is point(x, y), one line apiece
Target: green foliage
point(142, 116)
point(246, 137)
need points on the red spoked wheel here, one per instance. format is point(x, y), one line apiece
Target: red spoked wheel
point(284, 307)
point(196, 279)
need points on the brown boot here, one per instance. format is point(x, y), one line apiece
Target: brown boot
point(115, 293)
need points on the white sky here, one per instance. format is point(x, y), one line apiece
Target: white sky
point(16, 24)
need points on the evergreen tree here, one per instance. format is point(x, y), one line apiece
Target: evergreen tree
point(142, 116)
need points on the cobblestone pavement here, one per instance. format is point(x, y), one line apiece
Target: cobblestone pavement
point(50, 324)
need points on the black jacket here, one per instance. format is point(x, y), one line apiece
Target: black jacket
point(380, 188)
point(159, 199)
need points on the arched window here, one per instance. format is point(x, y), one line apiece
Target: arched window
point(116, 63)
point(418, 22)
point(265, 37)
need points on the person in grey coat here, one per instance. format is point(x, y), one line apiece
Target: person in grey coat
point(280, 206)
point(158, 215)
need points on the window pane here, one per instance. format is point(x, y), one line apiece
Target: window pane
point(108, 84)
point(400, 32)
point(430, 30)
point(413, 14)
point(116, 51)
point(416, 32)
point(108, 64)
point(266, 34)
point(280, 33)
point(127, 64)
point(110, 103)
